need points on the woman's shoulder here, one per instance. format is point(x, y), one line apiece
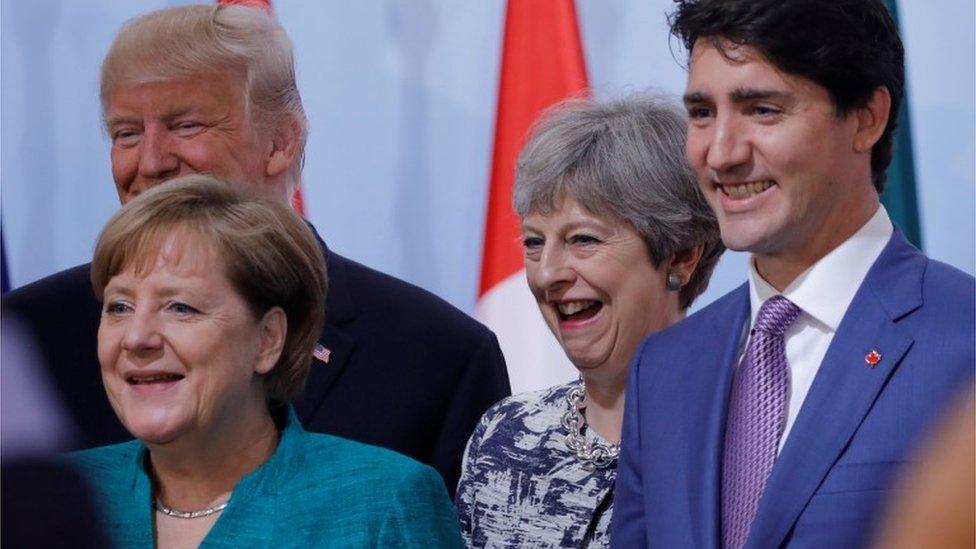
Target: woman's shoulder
point(531, 402)
point(109, 460)
point(372, 494)
point(536, 411)
point(355, 463)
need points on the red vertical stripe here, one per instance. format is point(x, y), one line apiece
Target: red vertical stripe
point(542, 63)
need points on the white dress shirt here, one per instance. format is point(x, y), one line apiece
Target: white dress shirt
point(823, 293)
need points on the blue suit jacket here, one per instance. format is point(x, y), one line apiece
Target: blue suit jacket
point(855, 429)
point(407, 370)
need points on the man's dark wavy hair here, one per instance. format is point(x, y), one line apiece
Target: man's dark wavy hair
point(850, 47)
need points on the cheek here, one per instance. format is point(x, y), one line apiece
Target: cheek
point(124, 165)
point(108, 347)
point(532, 279)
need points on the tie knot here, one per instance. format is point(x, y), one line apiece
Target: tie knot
point(776, 315)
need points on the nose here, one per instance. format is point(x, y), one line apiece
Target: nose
point(555, 269)
point(729, 148)
point(142, 333)
point(157, 159)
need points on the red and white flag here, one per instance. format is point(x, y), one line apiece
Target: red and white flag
point(542, 63)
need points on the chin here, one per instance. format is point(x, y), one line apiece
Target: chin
point(154, 428)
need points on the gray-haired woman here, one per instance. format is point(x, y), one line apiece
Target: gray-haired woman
point(618, 243)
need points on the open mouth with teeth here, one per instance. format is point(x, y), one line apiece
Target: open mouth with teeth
point(154, 379)
point(744, 190)
point(578, 310)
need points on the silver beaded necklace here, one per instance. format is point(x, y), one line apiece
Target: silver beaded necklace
point(170, 512)
point(593, 455)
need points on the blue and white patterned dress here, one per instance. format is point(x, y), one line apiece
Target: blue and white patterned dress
point(522, 487)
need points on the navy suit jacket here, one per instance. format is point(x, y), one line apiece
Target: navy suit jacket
point(855, 429)
point(407, 371)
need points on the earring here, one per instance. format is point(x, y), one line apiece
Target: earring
point(674, 282)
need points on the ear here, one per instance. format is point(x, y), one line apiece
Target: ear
point(274, 329)
point(684, 262)
point(872, 119)
point(283, 153)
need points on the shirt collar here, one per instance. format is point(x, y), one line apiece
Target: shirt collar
point(826, 289)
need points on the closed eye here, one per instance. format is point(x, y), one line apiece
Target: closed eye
point(583, 239)
point(189, 128)
point(125, 137)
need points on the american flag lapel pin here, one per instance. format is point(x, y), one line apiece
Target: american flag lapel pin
point(322, 353)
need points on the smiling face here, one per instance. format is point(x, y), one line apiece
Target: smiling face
point(181, 352)
point(161, 130)
point(595, 284)
point(783, 173)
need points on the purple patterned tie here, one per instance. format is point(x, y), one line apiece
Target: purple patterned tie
point(757, 416)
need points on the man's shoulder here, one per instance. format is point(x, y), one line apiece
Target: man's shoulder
point(949, 283)
point(720, 314)
point(378, 293)
point(73, 283)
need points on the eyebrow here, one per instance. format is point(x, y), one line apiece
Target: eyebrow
point(168, 117)
point(738, 95)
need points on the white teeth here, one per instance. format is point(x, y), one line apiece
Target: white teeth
point(573, 307)
point(745, 190)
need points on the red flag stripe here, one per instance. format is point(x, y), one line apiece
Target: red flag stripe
point(542, 63)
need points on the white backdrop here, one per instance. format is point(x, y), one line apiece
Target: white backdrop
point(401, 98)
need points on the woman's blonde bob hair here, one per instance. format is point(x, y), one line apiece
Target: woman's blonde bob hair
point(270, 256)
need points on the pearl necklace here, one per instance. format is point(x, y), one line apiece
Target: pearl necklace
point(593, 455)
point(170, 512)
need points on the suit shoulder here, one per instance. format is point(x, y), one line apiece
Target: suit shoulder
point(69, 283)
point(949, 282)
point(375, 291)
point(726, 307)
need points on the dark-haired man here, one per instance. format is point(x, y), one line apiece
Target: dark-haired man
point(779, 415)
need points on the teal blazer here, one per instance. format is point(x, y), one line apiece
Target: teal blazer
point(316, 491)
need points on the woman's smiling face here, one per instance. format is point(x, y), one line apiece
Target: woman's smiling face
point(180, 350)
point(595, 284)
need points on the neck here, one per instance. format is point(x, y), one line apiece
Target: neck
point(780, 269)
point(605, 404)
point(194, 475)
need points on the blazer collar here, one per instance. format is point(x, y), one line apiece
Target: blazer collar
point(845, 388)
point(340, 306)
point(336, 341)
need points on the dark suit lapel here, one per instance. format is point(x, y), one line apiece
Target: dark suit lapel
point(844, 389)
point(337, 344)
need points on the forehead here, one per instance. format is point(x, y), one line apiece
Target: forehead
point(218, 92)
point(181, 251)
point(566, 210)
point(721, 68)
